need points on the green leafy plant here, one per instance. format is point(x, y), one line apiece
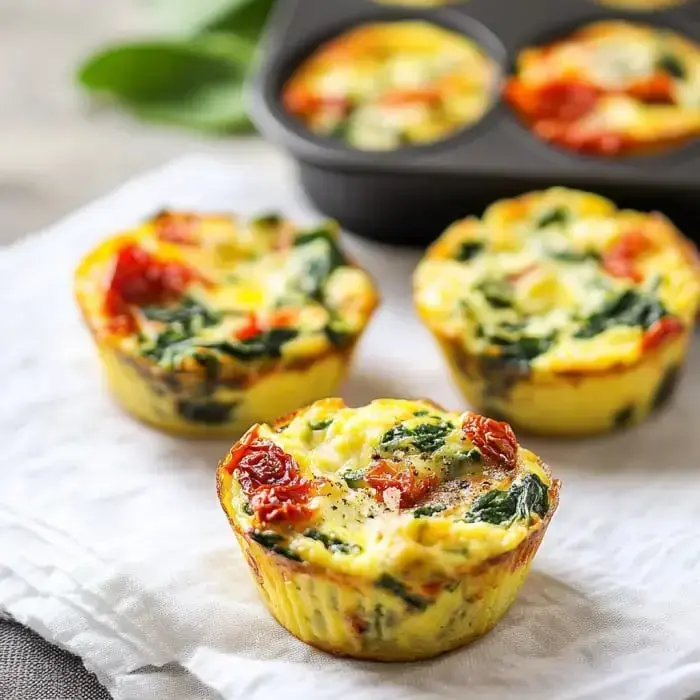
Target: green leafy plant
point(428, 510)
point(393, 585)
point(425, 438)
point(194, 78)
point(630, 308)
point(331, 543)
point(274, 542)
point(524, 497)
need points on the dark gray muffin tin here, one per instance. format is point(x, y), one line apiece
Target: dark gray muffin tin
point(408, 196)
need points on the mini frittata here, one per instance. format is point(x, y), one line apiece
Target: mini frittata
point(611, 88)
point(395, 531)
point(386, 85)
point(560, 313)
point(206, 324)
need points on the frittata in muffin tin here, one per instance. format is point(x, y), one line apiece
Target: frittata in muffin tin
point(393, 531)
point(207, 324)
point(611, 88)
point(382, 86)
point(561, 313)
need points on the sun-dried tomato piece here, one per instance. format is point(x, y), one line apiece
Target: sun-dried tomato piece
point(560, 101)
point(251, 328)
point(664, 328)
point(138, 279)
point(621, 259)
point(240, 448)
point(288, 502)
point(426, 95)
point(178, 228)
point(583, 139)
point(495, 440)
point(386, 475)
point(254, 325)
point(283, 318)
point(271, 478)
point(265, 464)
point(304, 103)
point(656, 89)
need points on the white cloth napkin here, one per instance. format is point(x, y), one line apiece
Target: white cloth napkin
point(113, 545)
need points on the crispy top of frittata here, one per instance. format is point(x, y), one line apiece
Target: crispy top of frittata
point(197, 292)
point(397, 485)
point(611, 88)
point(559, 281)
point(386, 85)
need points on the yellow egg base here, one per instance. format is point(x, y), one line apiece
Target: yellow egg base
point(576, 404)
point(350, 616)
point(148, 398)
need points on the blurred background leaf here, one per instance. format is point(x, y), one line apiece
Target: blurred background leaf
point(196, 77)
point(196, 83)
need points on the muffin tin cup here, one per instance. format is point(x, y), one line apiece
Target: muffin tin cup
point(408, 196)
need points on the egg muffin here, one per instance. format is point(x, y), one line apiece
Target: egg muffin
point(386, 85)
point(395, 531)
point(560, 313)
point(611, 88)
point(206, 324)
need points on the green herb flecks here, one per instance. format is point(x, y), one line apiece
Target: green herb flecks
point(321, 256)
point(468, 250)
point(412, 600)
point(190, 314)
point(267, 344)
point(331, 543)
point(670, 63)
point(666, 387)
point(557, 215)
point(273, 541)
point(631, 308)
point(574, 256)
point(463, 463)
point(206, 412)
point(498, 293)
point(521, 350)
point(624, 417)
point(524, 497)
point(319, 424)
point(170, 346)
point(354, 479)
point(339, 334)
point(269, 220)
point(424, 438)
point(428, 510)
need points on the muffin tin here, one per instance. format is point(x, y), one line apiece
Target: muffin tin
point(408, 196)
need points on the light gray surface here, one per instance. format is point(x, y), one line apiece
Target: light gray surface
point(57, 153)
point(31, 669)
